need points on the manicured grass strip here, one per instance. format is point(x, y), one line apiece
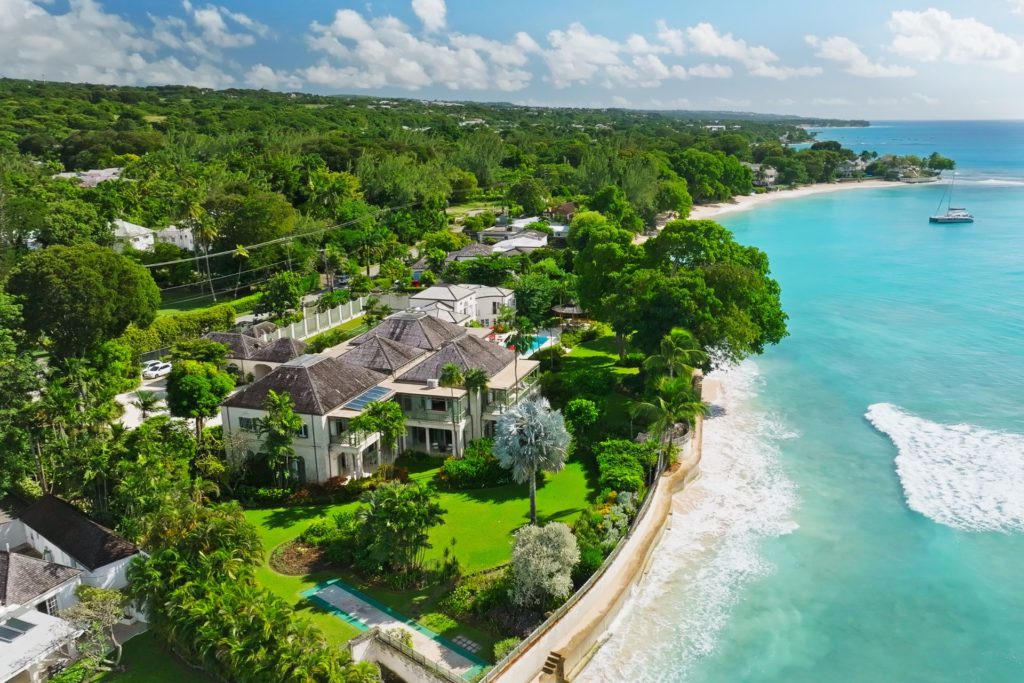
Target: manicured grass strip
point(412, 623)
point(146, 661)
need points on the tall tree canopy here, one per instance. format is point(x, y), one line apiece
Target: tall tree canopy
point(81, 296)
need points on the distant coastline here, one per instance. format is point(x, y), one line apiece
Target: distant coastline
point(746, 202)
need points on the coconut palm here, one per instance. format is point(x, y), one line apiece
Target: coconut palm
point(204, 230)
point(452, 377)
point(531, 437)
point(520, 341)
point(475, 382)
point(678, 353)
point(242, 256)
point(146, 402)
point(675, 401)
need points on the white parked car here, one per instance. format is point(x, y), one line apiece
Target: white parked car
point(157, 370)
point(146, 365)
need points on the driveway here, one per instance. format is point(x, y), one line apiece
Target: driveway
point(132, 416)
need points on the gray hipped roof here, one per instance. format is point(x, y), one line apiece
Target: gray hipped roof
point(382, 354)
point(316, 384)
point(467, 352)
point(413, 328)
point(240, 346)
point(280, 350)
point(474, 250)
point(67, 527)
point(24, 578)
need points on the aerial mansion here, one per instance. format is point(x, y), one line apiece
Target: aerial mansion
point(400, 360)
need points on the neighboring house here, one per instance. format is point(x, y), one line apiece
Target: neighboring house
point(179, 237)
point(247, 355)
point(399, 360)
point(503, 231)
point(764, 176)
point(469, 252)
point(461, 300)
point(490, 301)
point(849, 168)
point(47, 549)
point(130, 235)
point(93, 177)
point(525, 241)
point(563, 213)
point(461, 303)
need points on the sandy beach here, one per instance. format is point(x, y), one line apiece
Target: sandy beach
point(750, 201)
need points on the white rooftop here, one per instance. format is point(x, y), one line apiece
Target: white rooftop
point(46, 635)
point(443, 293)
point(126, 229)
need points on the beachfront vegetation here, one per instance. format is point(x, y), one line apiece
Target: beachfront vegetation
point(286, 199)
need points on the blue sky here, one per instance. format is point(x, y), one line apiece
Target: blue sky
point(867, 59)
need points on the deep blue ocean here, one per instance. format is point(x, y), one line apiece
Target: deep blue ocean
point(860, 516)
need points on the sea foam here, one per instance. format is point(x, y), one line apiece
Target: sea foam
point(713, 548)
point(963, 476)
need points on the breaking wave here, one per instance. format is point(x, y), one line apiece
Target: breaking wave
point(713, 548)
point(964, 476)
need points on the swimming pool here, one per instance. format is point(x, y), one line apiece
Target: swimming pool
point(538, 342)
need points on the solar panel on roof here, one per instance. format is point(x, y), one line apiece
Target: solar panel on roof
point(8, 635)
point(18, 624)
point(370, 395)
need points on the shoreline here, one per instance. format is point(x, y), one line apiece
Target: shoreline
point(747, 202)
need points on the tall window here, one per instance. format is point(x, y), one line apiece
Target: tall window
point(248, 424)
point(302, 432)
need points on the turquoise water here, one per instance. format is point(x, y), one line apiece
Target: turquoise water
point(861, 512)
point(538, 341)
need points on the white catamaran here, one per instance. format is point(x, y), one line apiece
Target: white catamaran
point(953, 214)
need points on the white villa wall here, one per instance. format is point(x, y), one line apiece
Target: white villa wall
point(12, 534)
point(113, 576)
point(487, 307)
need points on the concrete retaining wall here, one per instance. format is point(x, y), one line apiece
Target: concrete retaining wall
point(571, 636)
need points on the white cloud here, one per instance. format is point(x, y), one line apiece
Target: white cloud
point(831, 101)
point(211, 21)
point(672, 38)
point(705, 70)
point(431, 13)
point(914, 98)
point(846, 52)
point(577, 55)
point(262, 76)
point(759, 60)
point(934, 35)
point(88, 44)
point(1017, 6)
point(731, 102)
point(383, 52)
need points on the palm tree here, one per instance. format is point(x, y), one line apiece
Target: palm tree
point(531, 437)
point(521, 341)
point(675, 401)
point(146, 402)
point(475, 382)
point(451, 377)
point(678, 353)
point(375, 312)
point(242, 256)
point(204, 231)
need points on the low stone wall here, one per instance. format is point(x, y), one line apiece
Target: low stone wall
point(568, 639)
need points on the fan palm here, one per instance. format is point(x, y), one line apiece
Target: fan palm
point(146, 402)
point(531, 437)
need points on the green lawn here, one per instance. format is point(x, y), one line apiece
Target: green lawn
point(481, 522)
point(146, 661)
point(597, 354)
point(191, 301)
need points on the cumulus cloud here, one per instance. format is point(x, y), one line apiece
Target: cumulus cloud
point(381, 52)
point(846, 52)
point(431, 13)
point(263, 76)
point(88, 44)
point(759, 60)
point(933, 35)
point(212, 23)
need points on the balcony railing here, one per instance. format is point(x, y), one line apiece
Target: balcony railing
point(434, 415)
point(347, 438)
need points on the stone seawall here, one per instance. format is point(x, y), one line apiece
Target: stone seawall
point(562, 646)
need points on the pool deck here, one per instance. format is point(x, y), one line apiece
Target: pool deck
point(364, 613)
